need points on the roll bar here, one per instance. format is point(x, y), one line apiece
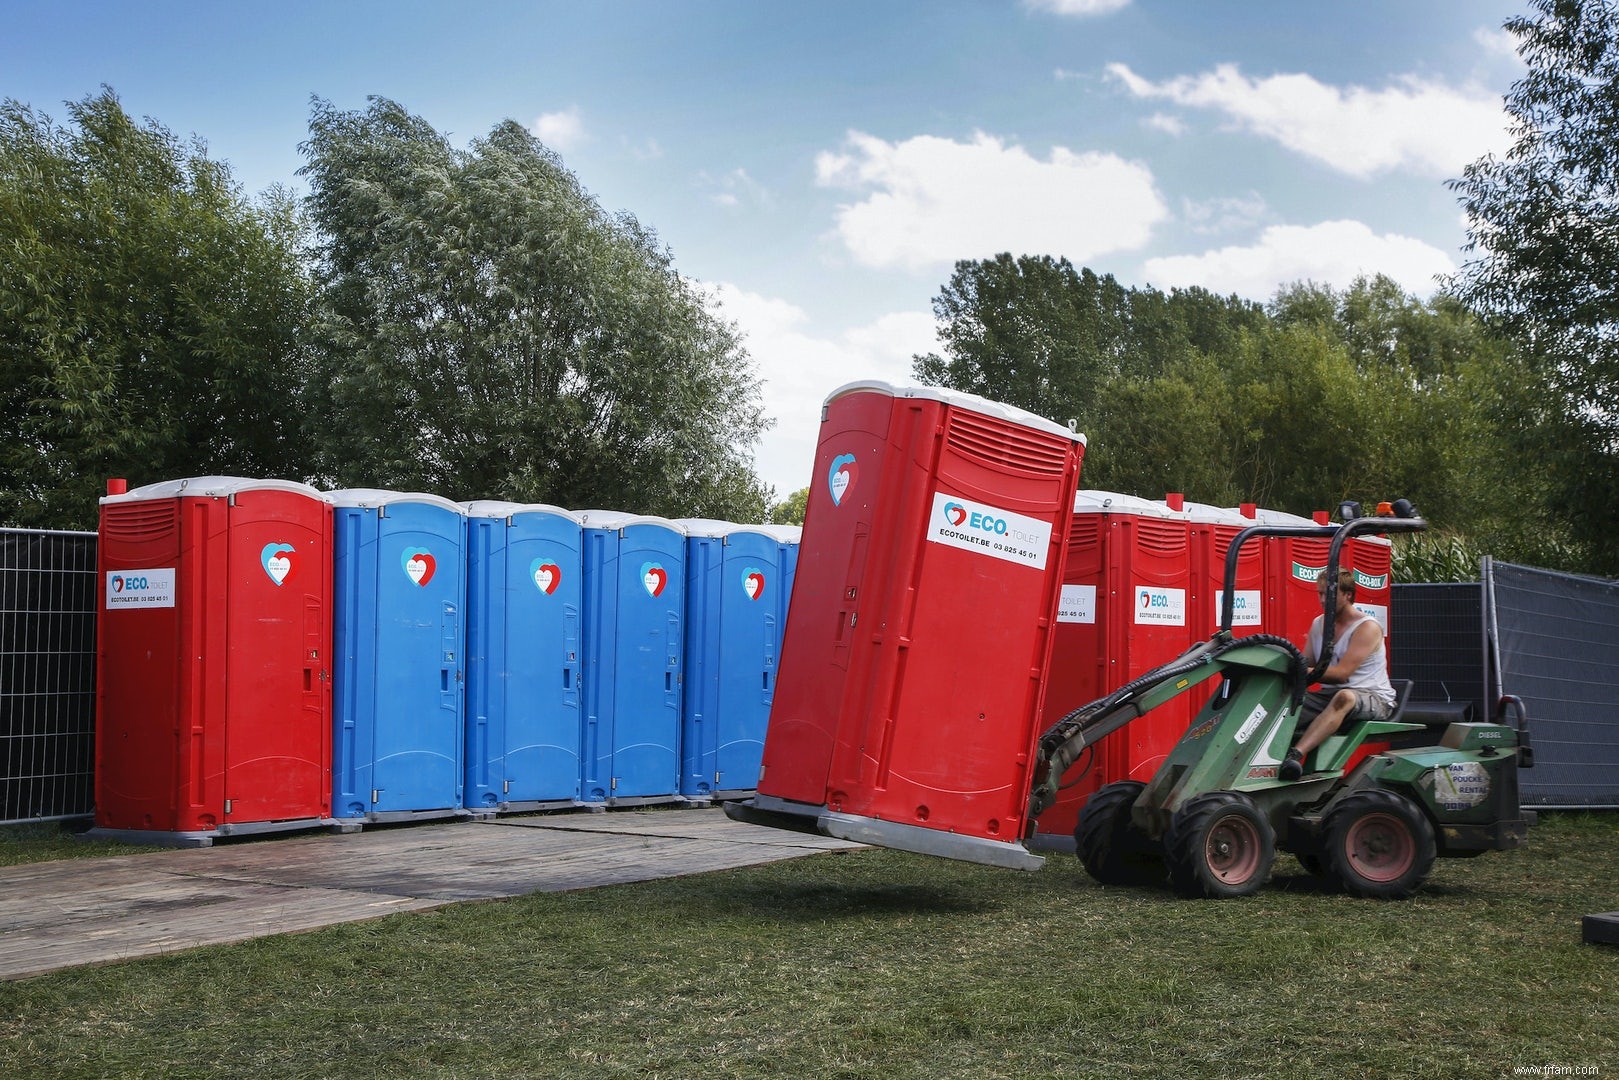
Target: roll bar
point(1341, 534)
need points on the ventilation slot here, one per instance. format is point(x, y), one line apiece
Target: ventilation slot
point(1160, 537)
point(1084, 531)
point(1007, 446)
point(140, 521)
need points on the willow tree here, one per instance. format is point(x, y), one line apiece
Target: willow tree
point(487, 330)
point(150, 313)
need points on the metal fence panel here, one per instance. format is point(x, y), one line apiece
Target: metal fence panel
point(1557, 643)
point(1436, 639)
point(47, 674)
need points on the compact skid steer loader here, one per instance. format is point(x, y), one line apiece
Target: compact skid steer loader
point(1216, 812)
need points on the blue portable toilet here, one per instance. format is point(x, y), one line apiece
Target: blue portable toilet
point(525, 591)
point(635, 589)
point(789, 537)
point(734, 612)
point(398, 633)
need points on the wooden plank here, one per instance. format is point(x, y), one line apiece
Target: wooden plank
point(88, 911)
point(706, 824)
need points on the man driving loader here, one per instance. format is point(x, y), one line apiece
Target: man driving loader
point(1354, 685)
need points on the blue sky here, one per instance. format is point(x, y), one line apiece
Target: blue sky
point(818, 167)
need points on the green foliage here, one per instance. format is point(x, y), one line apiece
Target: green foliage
point(1435, 557)
point(791, 510)
point(1544, 235)
point(488, 331)
point(1035, 333)
point(1366, 393)
point(150, 316)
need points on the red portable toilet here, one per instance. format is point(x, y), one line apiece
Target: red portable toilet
point(919, 630)
point(1372, 558)
point(213, 701)
point(1125, 610)
point(1212, 530)
point(1291, 566)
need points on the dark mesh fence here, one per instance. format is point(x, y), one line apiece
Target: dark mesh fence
point(1436, 639)
point(1557, 647)
point(47, 674)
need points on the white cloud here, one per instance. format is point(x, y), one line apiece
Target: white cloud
point(1076, 7)
point(1414, 124)
point(1164, 122)
point(799, 368)
point(649, 150)
point(1496, 42)
point(735, 188)
point(1331, 253)
point(931, 201)
point(1220, 215)
point(560, 130)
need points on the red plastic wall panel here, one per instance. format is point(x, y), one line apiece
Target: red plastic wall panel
point(213, 705)
point(1141, 622)
point(914, 663)
point(1291, 566)
point(1082, 657)
point(1156, 575)
point(150, 754)
point(1211, 543)
point(854, 490)
point(278, 726)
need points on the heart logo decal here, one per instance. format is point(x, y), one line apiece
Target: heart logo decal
point(277, 562)
point(547, 575)
point(753, 582)
point(840, 478)
point(419, 565)
point(955, 513)
point(654, 577)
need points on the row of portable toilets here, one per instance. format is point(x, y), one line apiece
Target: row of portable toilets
point(271, 657)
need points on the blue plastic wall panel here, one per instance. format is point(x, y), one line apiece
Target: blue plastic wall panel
point(734, 612)
point(397, 713)
point(525, 591)
point(635, 584)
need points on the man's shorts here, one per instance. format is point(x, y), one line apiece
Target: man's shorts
point(1368, 706)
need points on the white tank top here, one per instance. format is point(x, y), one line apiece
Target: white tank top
point(1373, 673)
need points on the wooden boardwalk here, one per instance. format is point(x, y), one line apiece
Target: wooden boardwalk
point(55, 915)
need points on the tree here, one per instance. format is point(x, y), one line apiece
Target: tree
point(1030, 331)
point(791, 510)
point(488, 331)
point(149, 314)
point(1368, 393)
point(1544, 236)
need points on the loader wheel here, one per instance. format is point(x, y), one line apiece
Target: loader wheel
point(1219, 846)
point(1378, 844)
point(1113, 850)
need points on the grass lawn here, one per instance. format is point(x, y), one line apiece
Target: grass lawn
point(880, 964)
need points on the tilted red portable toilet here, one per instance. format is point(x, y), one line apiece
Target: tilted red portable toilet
point(1126, 590)
point(213, 696)
point(919, 631)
